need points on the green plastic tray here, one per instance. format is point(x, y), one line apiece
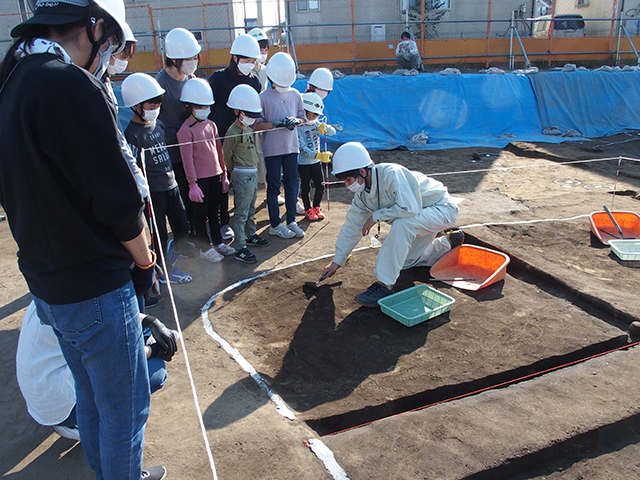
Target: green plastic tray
point(416, 304)
point(627, 250)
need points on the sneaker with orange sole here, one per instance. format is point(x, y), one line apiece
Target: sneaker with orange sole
point(319, 213)
point(311, 215)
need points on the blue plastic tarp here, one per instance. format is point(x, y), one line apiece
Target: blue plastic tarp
point(476, 110)
point(454, 111)
point(595, 104)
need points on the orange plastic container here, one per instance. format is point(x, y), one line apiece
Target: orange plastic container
point(470, 267)
point(603, 228)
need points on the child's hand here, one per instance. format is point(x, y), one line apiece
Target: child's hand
point(195, 194)
point(322, 128)
point(324, 157)
point(292, 122)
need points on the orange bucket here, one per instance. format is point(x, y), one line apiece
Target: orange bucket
point(470, 267)
point(603, 228)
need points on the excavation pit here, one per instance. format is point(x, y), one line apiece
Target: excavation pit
point(337, 364)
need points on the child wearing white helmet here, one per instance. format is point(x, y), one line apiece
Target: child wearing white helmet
point(281, 107)
point(182, 55)
point(309, 166)
point(320, 82)
point(260, 70)
point(242, 161)
point(416, 206)
point(244, 52)
point(75, 213)
point(145, 133)
point(204, 166)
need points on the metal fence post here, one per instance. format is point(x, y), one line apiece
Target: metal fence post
point(488, 35)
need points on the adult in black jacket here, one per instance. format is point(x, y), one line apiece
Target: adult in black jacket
point(244, 52)
point(75, 213)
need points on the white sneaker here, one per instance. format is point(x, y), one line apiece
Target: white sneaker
point(227, 232)
point(67, 432)
point(299, 208)
point(281, 231)
point(224, 249)
point(280, 200)
point(211, 255)
point(293, 226)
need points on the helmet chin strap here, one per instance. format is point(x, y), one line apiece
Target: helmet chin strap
point(96, 44)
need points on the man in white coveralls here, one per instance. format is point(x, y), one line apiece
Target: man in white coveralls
point(416, 206)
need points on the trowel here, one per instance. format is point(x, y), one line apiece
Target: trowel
point(316, 285)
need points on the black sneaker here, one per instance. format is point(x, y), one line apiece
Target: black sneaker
point(455, 237)
point(257, 241)
point(246, 256)
point(154, 473)
point(374, 293)
point(150, 301)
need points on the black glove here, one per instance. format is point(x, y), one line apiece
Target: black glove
point(164, 337)
point(143, 278)
point(292, 122)
point(278, 123)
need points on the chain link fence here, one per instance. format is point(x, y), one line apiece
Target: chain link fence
point(350, 30)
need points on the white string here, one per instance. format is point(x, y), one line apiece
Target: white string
point(506, 169)
point(521, 222)
point(174, 309)
point(210, 139)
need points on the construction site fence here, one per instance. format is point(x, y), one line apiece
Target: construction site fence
point(352, 34)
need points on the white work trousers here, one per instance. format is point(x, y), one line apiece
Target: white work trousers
point(412, 242)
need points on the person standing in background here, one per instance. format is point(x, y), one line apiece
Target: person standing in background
point(182, 57)
point(244, 53)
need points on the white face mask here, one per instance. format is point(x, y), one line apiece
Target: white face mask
point(321, 93)
point(150, 115)
point(356, 187)
point(103, 63)
point(201, 113)
point(189, 66)
point(118, 66)
point(262, 58)
point(245, 68)
point(282, 89)
point(248, 121)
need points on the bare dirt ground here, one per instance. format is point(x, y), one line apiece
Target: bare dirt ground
point(323, 365)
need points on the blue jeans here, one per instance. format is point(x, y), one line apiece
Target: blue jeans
point(101, 339)
point(287, 165)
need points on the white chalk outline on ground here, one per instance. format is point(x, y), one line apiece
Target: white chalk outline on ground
point(325, 454)
point(281, 407)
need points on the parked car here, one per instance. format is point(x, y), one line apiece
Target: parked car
point(567, 25)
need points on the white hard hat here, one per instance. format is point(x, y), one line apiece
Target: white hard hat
point(138, 88)
point(245, 46)
point(350, 156)
point(115, 8)
point(322, 78)
point(128, 34)
point(281, 69)
point(244, 97)
point(197, 91)
point(312, 102)
point(181, 43)
point(258, 34)
point(61, 12)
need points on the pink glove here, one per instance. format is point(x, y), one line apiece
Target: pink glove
point(195, 194)
point(225, 182)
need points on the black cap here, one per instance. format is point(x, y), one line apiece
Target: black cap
point(54, 12)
